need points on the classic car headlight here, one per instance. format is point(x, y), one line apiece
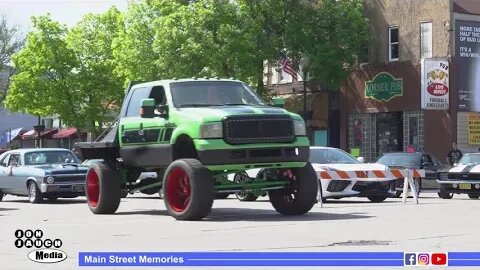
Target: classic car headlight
point(49, 179)
point(300, 129)
point(211, 130)
point(442, 176)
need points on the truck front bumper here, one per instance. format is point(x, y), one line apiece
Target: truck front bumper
point(254, 155)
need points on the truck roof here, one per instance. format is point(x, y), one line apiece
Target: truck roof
point(194, 79)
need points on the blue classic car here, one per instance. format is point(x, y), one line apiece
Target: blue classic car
point(41, 173)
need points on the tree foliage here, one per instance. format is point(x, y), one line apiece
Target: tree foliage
point(79, 73)
point(69, 72)
point(10, 42)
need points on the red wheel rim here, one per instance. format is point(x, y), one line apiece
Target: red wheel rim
point(178, 190)
point(93, 188)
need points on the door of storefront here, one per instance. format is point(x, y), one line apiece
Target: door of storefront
point(389, 132)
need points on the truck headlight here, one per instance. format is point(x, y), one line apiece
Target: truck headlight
point(50, 179)
point(300, 129)
point(211, 130)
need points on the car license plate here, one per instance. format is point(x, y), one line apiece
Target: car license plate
point(77, 188)
point(465, 186)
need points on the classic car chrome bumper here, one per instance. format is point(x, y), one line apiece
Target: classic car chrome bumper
point(459, 181)
point(63, 187)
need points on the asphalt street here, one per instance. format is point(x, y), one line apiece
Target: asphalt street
point(142, 224)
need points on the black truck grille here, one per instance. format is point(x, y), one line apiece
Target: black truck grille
point(258, 128)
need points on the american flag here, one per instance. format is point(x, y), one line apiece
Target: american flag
point(287, 66)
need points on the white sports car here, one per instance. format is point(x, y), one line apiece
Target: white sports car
point(464, 178)
point(328, 159)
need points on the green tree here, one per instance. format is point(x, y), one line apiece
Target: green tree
point(10, 42)
point(331, 34)
point(69, 73)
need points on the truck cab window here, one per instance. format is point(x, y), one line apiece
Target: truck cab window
point(158, 94)
point(134, 105)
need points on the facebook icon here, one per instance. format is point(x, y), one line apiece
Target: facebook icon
point(410, 259)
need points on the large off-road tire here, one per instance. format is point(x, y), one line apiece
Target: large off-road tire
point(103, 188)
point(188, 190)
point(243, 196)
point(377, 198)
point(34, 193)
point(301, 194)
point(474, 195)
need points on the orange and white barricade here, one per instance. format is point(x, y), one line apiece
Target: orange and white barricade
point(374, 175)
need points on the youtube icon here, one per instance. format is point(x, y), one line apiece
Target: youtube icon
point(439, 259)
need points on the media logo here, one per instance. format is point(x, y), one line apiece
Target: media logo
point(439, 259)
point(423, 259)
point(47, 255)
point(410, 259)
point(47, 249)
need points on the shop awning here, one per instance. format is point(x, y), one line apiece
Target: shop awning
point(65, 133)
point(32, 134)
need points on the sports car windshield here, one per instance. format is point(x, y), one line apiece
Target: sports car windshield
point(49, 157)
point(469, 160)
point(407, 160)
point(213, 93)
point(331, 156)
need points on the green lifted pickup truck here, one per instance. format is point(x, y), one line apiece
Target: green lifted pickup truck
point(193, 133)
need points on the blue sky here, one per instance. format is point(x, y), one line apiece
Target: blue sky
point(65, 11)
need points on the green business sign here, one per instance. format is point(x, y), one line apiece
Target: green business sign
point(383, 87)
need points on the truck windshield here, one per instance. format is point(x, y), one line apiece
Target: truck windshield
point(50, 157)
point(213, 93)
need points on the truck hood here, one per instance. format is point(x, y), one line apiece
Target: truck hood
point(217, 113)
point(62, 168)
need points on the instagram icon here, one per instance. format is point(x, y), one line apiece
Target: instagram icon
point(423, 259)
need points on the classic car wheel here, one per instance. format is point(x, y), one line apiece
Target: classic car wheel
point(300, 196)
point(398, 194)
point(34, 194)
point(188, 190)
point(103, 188)
point(474, 196)
point(243, 196)
point(445, 195)
point(377, 198)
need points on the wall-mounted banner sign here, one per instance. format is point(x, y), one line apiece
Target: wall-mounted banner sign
point(435, 84)
point(474, 128)
point(383, 87)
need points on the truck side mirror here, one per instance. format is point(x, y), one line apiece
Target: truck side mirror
point(278, 102)
point(147, 108)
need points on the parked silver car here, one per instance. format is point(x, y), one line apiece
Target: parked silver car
point(41, 173)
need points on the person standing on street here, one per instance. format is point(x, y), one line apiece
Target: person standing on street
point(454, 155)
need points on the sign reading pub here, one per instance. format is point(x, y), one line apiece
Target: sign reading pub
point(435, 84)
point(383, 87)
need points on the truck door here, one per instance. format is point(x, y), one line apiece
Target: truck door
point(141, 139)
